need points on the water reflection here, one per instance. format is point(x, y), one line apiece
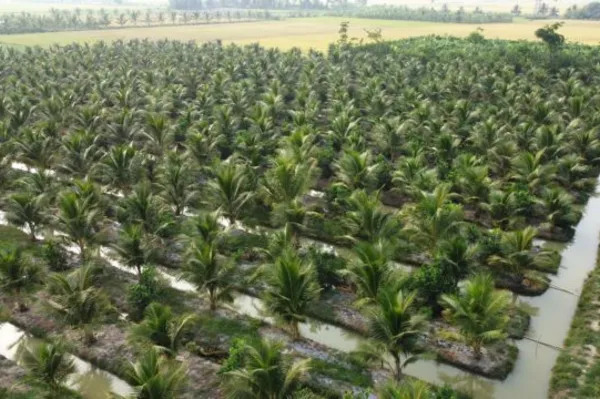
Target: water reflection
point(90, 381)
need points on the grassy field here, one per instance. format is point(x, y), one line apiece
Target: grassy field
point(305, 33)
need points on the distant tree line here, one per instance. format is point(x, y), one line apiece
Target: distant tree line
point(424, 14)
point(258, 4)
point(589, 11)
point(63, 20)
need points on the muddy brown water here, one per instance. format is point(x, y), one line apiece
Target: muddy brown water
point(89, 381)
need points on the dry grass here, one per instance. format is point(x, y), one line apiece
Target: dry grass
point(306, 33)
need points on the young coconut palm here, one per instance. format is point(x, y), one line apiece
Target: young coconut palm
point(355, 170)
point(176, 184)
point(394, 328)
point(558, 209)
point(515, 252)
point(502, 208)
point(48, 363)
point(27, 209)
point(366, 220)
point(292, 288)
point(434, 218)
point(479, 312)
point(413, 389)
point(161, 329)
point(210, 275)
point(18, 275)
point(371, 270)
point(118, 167)
point(206, 226)
point(148, 210)
point(134, 247)
point(265, 374)
point(77, 301)
point(231, 189)
point(287, 180)
point(79, 220)
point(413, 176)
point(155, 376)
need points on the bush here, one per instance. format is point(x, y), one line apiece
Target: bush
point(328, 267)
point(139, 295)
point(431, 282)
point(55, 256)
point(235, 360)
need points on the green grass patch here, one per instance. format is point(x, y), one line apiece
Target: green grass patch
point(353, 376)
point(576, 373)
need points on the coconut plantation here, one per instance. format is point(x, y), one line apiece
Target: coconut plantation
point(404, 219)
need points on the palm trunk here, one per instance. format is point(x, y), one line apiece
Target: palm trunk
point(477, 350)
point(88, 335)
point(139, 273)
point(398, 366)
point(81, 245)
point(213, 301)
point(32, 232)
point(295, 330)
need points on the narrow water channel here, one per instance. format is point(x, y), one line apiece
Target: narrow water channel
point(89, 381)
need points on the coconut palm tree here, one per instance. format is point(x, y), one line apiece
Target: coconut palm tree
point(371, 270)
point(515, 252)
point(206, 226)
point(476, 187)
point(412, 176)
point(529, 170)
point(456, 256)
point(79, 219)
point(18, 274)
point(208, 273)
point(27, 209)
point(413, 389)
point(356, 171)
point(175, 182)
point(265, 373)
point(118, 167)
point(77, 301)
point(231, 189)
point(479, 312)
point(286, 180)
point(434, 218)
point(146, 209)
point(155, 376)
point(134, 247)
point(503, 208)
point(162, 329)
point(366, 220)
point(558, 208)
point(394, 328)
point(48, 363)
point(291, 289)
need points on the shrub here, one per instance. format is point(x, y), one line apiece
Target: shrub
point(235, 360)
point(55, 256)
point(143, 293)
point(328, 267)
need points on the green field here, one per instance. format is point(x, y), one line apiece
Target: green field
point(306, 33)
